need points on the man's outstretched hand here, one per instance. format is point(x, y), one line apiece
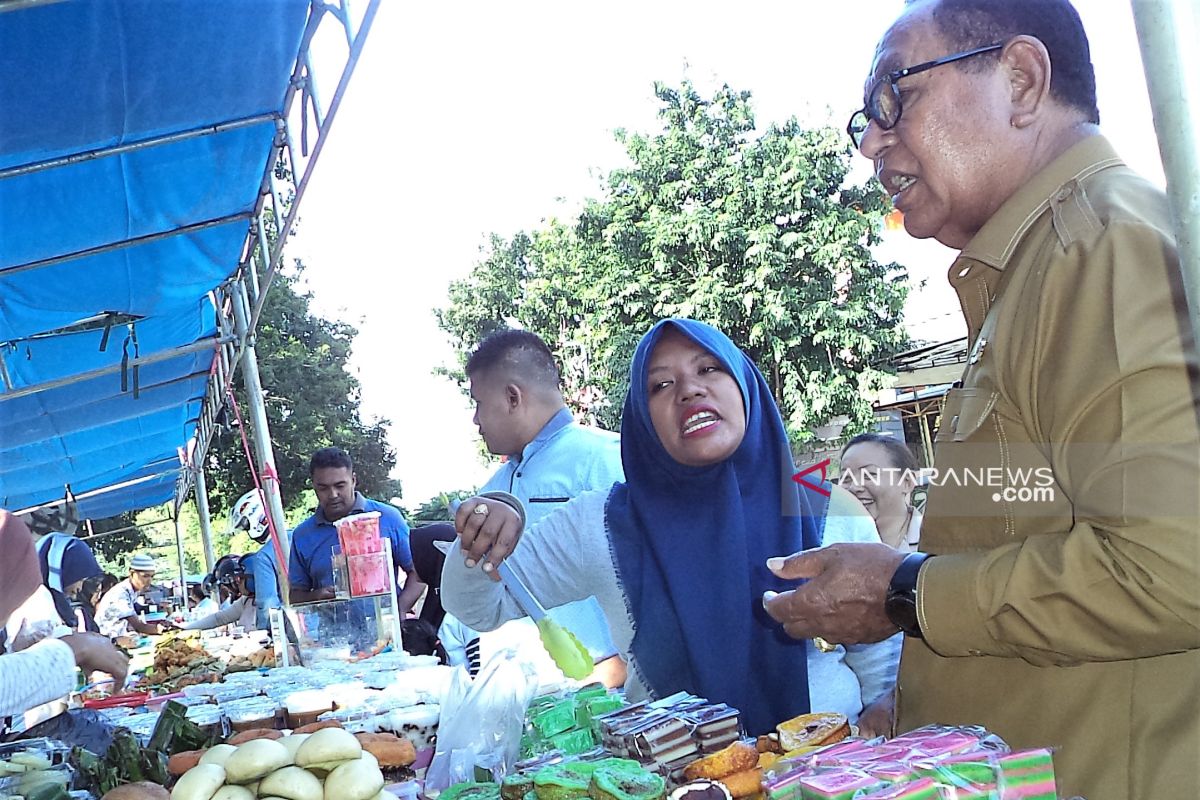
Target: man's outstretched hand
point(842, 597)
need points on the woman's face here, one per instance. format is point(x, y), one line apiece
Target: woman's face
point(695, 405)
point(869, 473)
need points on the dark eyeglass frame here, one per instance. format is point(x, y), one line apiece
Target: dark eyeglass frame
point(872, 110)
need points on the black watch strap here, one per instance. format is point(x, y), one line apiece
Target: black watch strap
point(901, 603)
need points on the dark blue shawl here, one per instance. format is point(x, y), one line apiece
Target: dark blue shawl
point(691, 545)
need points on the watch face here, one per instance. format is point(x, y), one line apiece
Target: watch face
point(902, 611)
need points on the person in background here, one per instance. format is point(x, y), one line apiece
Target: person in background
point(66, 563)
point(676, 554)
point(202, 605)
point(117, 615)
point(249, 514)
point(223, 593)
point(44, 671)
point(427, 564)
point(242, 610)
point(311, 568)
point(882, 473)
point(86, 601)
point(1056, 603)
point(421, 639)
point(549, 457)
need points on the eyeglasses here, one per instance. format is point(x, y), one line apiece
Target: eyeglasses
point(883, 106)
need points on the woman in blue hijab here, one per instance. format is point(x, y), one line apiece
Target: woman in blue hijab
point(66, 563)
point(676, 555)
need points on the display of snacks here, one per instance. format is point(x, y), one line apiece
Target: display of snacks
point(305, 707)
point(262, 658)
point(565, 721)
point(254, 712)
point(669, 733)
point(179, 663)
point(928, 762)
point(418, 724)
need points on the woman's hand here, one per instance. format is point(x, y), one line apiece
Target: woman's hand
point(488, 530)
point(95, 653)
point(879, 718)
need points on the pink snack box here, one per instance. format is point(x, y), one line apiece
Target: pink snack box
point(836, 783)
point(1028, 775)
point(920, 789)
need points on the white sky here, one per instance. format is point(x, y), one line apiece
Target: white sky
point(467, 118)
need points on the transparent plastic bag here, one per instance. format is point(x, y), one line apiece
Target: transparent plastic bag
point(481, 721)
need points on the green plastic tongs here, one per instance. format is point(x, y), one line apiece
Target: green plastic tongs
point(563, 646)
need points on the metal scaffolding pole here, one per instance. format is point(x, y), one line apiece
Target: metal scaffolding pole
point(179, 551)
point(1173, 78)
point(201, 489)
point(263, 449)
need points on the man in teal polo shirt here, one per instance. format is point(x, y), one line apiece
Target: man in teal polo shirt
point(333, 480)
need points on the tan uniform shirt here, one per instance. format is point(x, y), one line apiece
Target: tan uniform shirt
point(1063, 608)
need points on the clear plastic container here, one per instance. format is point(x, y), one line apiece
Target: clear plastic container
point(408, 790)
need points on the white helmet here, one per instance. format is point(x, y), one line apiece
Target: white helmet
point(249, 514)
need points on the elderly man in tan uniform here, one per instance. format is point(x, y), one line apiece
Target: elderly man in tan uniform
point(1058, 598)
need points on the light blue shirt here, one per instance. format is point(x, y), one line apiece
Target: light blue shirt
point(262, 565)
point(563, 461)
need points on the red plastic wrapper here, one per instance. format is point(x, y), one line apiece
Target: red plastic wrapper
point(368, 573)
point(358, 534)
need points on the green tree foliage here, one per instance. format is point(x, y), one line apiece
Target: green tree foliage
point(437, 509)
point(757, 234)
point(115, 538)
point(312, 401)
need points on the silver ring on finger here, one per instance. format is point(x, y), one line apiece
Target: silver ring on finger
point(481, 510)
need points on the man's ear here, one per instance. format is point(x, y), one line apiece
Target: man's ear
point(1028, 67)
point(513, 396)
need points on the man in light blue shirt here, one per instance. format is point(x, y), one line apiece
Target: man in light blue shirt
point(520, 413)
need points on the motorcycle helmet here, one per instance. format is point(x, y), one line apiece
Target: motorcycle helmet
point(228, 570)
point(249, 514)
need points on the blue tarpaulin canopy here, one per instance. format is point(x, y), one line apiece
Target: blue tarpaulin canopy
point(137, 141)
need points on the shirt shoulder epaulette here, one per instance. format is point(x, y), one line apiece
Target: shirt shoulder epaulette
point(1075, 219)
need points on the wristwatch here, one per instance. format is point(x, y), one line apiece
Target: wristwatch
point(901, 603)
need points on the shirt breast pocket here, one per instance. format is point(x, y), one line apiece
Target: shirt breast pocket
point(965, 413)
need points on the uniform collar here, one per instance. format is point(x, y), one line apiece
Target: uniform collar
point(360, 505)
point(997, 240)
point(561, 419)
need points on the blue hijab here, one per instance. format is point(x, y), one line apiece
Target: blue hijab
point(65, 560)
point(691, 545)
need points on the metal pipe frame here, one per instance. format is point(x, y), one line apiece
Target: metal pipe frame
point(123, 243)
point(1163, 26)
point(285, 230)
point(153, 358)
point(264, 450)
point(201, 489)
point(182, 566)
point(143, 144)
point(97, 492)
point(136, 527)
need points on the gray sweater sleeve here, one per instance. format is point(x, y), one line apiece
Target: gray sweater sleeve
point(564, 557)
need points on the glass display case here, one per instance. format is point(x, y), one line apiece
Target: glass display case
point(359, 621)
